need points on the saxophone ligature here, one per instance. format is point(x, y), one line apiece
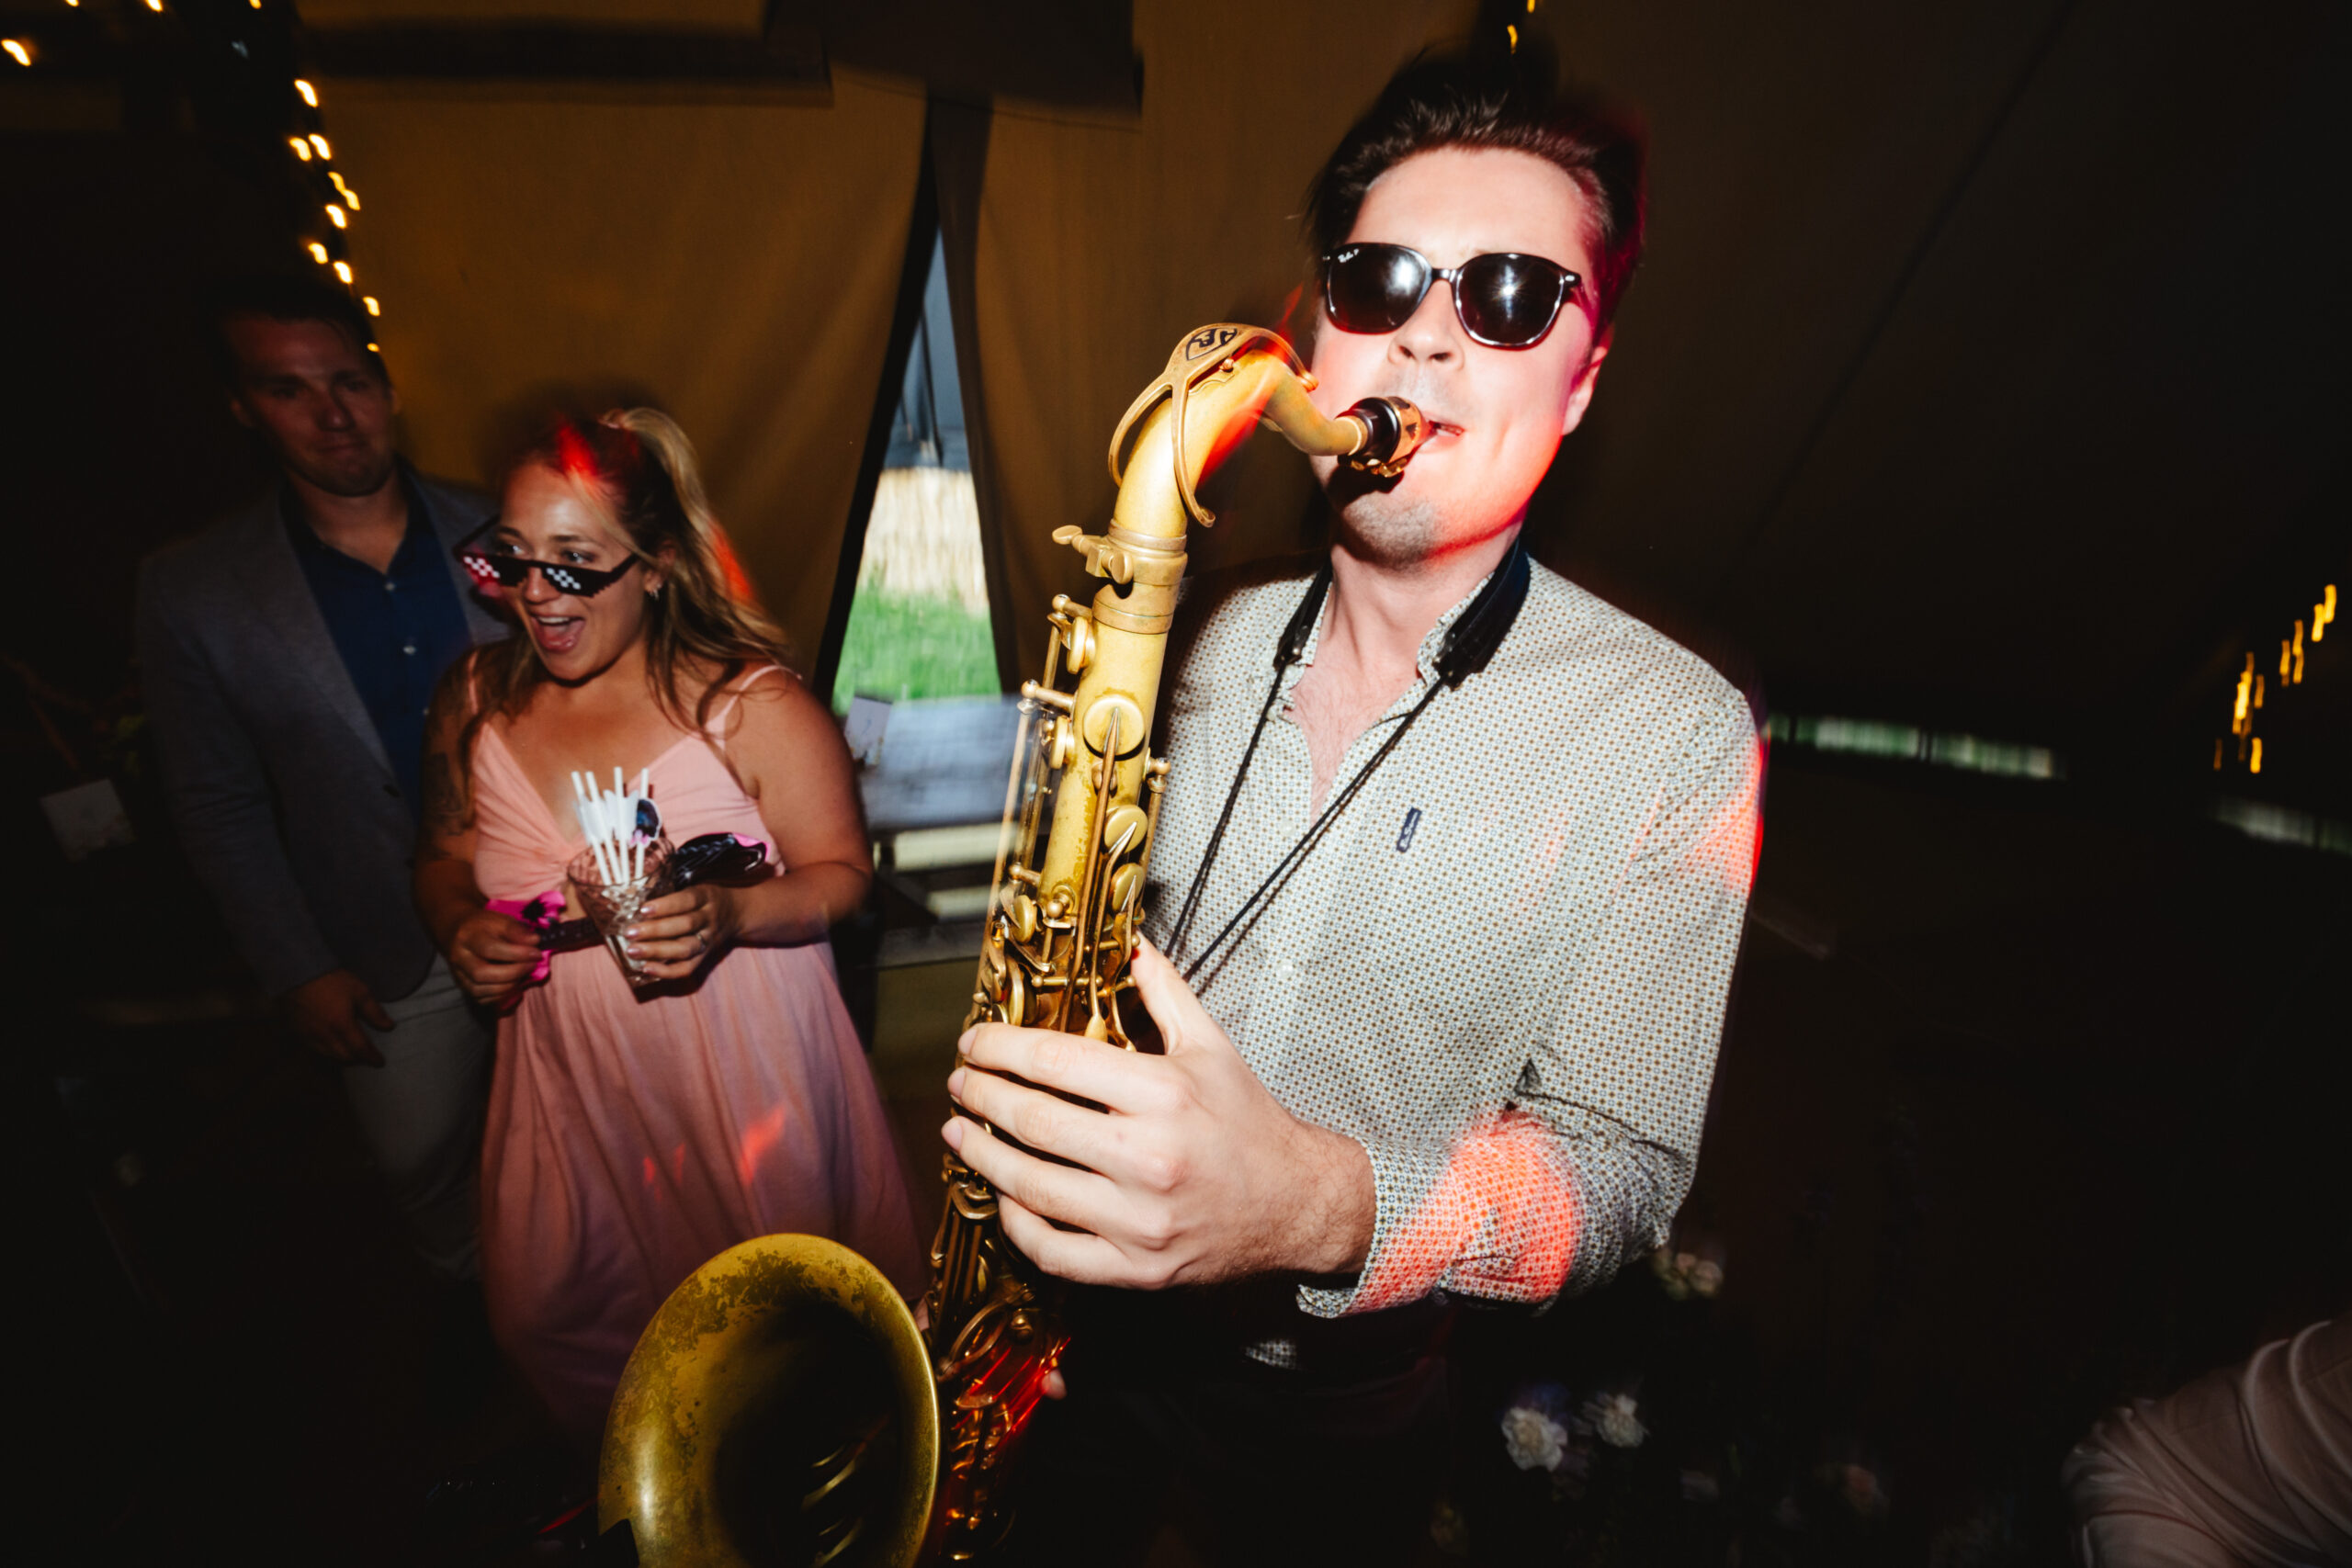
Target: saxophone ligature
point(783, 1406)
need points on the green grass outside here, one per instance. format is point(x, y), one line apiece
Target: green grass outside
point(903, 648)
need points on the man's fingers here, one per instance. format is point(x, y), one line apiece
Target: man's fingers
point(1170, 1001)
point(1065, 1255)
point(1074, 1197)
point(1043, 1122)
point(1070, 1062)
point(349, 1045)
point(373, 1011)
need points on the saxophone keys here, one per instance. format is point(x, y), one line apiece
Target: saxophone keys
point(1097, 723)
point(1125, 832)
point(1080, 651)
point(1021, 918)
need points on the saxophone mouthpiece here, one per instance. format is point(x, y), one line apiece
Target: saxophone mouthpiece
point(1393, 431)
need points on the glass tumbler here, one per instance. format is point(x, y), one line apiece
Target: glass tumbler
point(613, 905)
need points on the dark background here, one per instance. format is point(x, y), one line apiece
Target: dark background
point(1986, 376)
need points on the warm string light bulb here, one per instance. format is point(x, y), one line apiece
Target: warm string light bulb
point(2253, 688)
point(18, 50)
point(156, 6)
point(315, 146)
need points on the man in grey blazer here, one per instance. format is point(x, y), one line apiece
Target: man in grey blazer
point(289, 652)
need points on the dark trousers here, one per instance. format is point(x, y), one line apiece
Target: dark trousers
point(1335, 1461)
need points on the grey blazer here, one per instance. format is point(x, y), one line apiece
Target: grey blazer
point(284, 797)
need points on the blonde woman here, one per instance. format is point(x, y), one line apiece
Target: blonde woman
point(631, 1136)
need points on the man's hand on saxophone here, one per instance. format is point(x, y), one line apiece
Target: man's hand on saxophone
point(1192, 1172)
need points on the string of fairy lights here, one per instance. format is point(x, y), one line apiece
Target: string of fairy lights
point(325, 242)
point(2254, 685)
point(337, 201)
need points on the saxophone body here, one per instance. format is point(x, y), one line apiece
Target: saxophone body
point(859, 1438)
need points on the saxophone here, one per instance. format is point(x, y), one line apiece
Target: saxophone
point(782, 1406)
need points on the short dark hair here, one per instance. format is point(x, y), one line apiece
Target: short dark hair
point(1514, 103)
point(281, 297)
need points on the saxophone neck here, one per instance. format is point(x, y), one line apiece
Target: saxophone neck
point(1219, 383)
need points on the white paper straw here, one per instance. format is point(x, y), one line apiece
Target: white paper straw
point(604, 849)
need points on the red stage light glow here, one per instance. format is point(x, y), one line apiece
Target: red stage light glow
point(761, 1136)
point(1733, 840)
point(1508, 1195)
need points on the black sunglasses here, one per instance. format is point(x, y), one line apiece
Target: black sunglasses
point(508, 571)
point(1504, 301)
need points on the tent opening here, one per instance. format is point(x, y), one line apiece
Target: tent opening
point(919, 624)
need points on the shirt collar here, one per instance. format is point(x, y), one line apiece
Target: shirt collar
point(306, 540)
point(1426, 659)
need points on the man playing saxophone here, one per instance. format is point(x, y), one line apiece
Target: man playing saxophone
point(1446, 895)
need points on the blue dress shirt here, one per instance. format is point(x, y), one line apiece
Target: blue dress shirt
point(397, 630)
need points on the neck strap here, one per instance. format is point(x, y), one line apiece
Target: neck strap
point(1469, 646)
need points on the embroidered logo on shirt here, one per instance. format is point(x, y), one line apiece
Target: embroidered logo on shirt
point(1405, 834)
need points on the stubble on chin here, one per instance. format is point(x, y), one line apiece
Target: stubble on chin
point(350, 480)
point(1384, 529)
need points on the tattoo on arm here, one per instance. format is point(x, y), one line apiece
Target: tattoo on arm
point(444, 812)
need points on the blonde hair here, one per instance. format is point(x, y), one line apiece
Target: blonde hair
point(639, 468)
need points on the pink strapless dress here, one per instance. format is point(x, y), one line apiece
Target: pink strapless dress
point(631, 1139)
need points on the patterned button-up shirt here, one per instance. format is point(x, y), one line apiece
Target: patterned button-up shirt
point(1503, 971)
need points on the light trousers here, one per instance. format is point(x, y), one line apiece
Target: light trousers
point(421, 1115)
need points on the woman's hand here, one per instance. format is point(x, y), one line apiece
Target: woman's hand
point(676, 931)
point(493, 955)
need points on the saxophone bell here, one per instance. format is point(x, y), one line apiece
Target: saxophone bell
point(783, 1406)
